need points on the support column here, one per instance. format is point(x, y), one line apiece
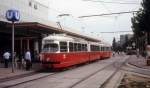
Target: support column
point(21, 46)
point(28, 44)
point(36, 46)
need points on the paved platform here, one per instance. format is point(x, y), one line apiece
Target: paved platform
point(7, 72)
point(139, 62)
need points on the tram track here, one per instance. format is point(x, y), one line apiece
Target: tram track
point(118, 67)
point(131, 68)
point(25, 79)
point(5, 79)
point(114, 64)
point(85, 78)
point(44, 76)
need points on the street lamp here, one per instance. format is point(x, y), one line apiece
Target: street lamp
point(13, 16)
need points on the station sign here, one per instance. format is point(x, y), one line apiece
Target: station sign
point(13, 15)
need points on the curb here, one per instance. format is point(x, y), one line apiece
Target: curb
point(135, 66)
point(9, 78)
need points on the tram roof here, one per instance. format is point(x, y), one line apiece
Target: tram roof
point(41, 28)
point(59, 38)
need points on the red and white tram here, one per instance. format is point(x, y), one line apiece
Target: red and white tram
point(60, 51)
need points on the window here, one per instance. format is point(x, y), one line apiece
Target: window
point(102, 48)
point(95, 48)
point(71, 47)
point(82, 47)
point(63, 47)
point(30, 3)
point(75, 47)
point(35, 6)
point(50, 47)
point(79, 47)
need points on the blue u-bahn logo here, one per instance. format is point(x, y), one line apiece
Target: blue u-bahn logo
point(13, 15)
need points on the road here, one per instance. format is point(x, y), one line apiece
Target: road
point(93, 75)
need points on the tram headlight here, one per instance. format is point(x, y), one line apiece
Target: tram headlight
point(47, 59)
point(64, 56)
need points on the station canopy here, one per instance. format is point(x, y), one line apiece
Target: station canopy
point(38, 28)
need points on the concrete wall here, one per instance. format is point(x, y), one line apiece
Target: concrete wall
point(30, 10)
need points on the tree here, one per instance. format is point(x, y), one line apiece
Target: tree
point(114, 46)
point(140, 22)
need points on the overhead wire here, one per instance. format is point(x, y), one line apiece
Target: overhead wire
point(107, 14)
point(116, 32)
point(113, 2)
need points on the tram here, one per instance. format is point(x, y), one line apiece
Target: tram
point(61, 51)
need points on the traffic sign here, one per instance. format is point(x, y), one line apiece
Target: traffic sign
point(13, 15)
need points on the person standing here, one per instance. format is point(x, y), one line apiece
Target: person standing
point(28, 60)
point(6, 57)
point(137, 53)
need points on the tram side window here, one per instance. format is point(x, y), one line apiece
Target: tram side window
point(70, 46)
point(95, 48)
point(107, 48)
point(102, 48)
point(63, 46)
point(75, 46)
point(79, 47)
point(84, 47)
point(50, 47)
point(92, 47)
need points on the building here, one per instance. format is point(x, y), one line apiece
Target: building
point(124, 38)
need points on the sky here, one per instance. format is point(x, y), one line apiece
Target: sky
point(93, 26)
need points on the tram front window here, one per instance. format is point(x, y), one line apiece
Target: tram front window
point(50, 48)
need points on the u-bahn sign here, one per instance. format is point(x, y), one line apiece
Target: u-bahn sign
point(13, 15)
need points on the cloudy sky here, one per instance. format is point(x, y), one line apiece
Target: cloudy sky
point(93, 26)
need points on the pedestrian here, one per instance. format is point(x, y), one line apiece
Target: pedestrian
point(113, 54)
point(137, 53)
point(6, 57)
point(28, 60)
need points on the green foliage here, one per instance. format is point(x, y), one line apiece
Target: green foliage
point(141, 20)
point(137, 24)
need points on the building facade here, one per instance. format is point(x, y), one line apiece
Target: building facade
point(25, 37)
point(30, 10)
point(124, 38)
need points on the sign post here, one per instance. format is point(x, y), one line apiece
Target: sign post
point(13, 16)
